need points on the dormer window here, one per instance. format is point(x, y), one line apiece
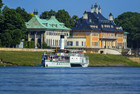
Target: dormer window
point(112, 26)
point(117, 28)
point(90, 20)
point(102, 26)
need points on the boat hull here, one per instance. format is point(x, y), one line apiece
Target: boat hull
point(47, 63)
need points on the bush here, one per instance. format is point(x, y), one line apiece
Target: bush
point(45, 46)
point(0, 43)
point(29, 44)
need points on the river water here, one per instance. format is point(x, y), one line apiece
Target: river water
point(92, 80)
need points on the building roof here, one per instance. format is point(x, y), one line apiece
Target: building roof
point(96, 21)
point(52, 23)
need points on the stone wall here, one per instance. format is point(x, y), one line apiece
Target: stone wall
point(25, 49)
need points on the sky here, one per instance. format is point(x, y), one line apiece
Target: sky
point(77, 7)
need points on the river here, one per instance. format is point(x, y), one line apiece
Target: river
point(92, 80)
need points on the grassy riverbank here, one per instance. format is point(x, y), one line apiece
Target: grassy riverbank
point(110, 60)
point(21, 58)
point(34, 59)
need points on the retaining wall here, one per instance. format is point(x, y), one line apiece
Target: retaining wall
point(25, 49)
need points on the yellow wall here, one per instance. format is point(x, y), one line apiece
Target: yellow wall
point(95, 38)
point(120, 40)
point(100, 43)
point(88, 41)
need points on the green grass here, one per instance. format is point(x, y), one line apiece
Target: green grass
point(110, 60)
point(21, 58)
point(34, 58)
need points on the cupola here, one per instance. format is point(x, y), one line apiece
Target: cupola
point(111, 17)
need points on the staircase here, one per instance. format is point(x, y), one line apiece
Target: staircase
point(109, 51)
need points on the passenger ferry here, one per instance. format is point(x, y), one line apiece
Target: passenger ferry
point(64, 58)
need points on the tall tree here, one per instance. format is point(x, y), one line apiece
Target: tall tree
point(26, 16)
point(63, 16)
point(75, 19)
point(13, 28)
point(1, 5)
point(130, 22)
point(47, 14)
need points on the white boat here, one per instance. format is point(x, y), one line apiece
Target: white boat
point(64, 58)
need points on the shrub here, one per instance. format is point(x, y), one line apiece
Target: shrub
point(45, 46)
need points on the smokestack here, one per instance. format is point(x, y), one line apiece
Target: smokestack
point(62, 43)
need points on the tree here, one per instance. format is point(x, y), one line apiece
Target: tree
point(130, 22)
point(23, 14)
point(13, 28)
point(47, 14)
point(1, 5)
point(75, 18)
point(6, 39)
point(63, 16)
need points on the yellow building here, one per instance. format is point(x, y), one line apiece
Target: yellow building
point(97, 32)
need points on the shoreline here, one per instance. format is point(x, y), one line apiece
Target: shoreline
point(33, 59)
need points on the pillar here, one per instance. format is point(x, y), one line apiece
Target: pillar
point(42, 39)
point(45, 36)
point(35, 39)
point(28, 36)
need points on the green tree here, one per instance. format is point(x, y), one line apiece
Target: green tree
point(47, 14)
point(1, 5)
point(0, 43)
point(130, 21)
point(26, 16)
point(12, 28)
point(63, 16)
point(6, 39)
point(75, 18)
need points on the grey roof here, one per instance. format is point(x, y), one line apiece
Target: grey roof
point(96, 22)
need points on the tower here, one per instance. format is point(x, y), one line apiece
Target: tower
point(111, 17)
point(99, 9)
point(85, 16)
point(96, 8)
point(92, 9)
point(35, 12)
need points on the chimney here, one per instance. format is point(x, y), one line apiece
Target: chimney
point(35, 12)
point(62, 42)
point(52, 15)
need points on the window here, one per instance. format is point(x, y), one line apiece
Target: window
point(77, 43)
point(32, 33)
point(95, 34)
point(47, 33)
point(95, 43)
point(70, 43)
point(82, 43)
point(47, 41)
point(53, 42)
point(120, 35)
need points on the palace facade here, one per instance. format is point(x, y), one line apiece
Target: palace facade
point(93, 30)
point(46, 30)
